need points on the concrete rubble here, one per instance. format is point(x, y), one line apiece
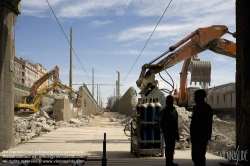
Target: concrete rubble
point(34, 125)
point(223, 135)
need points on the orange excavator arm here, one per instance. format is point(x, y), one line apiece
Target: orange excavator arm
point(220, 46)
point(198, 41)
point(40, 81)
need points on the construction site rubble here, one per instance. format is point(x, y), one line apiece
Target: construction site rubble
point(34, 125)
point(223, 134)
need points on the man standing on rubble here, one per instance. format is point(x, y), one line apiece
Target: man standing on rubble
point(169, 128)
point(200, 127)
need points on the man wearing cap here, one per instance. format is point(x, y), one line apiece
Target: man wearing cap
point(200, 128)
point(169, 128)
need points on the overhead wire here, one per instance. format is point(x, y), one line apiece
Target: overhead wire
point(224, 73)
point(147, 41)
point(68, 39)
point(223, 65)
point(48, 45)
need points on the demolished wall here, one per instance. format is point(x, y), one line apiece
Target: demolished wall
point(127, 103)
point(64, 109)
point(88, 103)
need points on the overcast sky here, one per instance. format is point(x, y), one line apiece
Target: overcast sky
point(108, 35)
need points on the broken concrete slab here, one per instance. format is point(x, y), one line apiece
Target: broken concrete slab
point(75, 121)
point(112, 119)
point(46, 127)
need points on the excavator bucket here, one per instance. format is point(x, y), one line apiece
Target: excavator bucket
point(200, 72)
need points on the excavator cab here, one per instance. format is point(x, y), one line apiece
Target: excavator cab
point(27, 99)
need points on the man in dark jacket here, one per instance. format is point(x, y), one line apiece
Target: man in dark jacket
point(200, 128)
point(169, 128)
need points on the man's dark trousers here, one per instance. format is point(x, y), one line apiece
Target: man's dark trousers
point(169, 148)
point(199, 148)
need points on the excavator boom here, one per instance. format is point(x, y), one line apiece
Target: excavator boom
point(40, 81)
point(186, 50)
point(34, 106)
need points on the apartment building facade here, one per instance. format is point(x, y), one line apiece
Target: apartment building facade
point(27, 72)
point(223, 99)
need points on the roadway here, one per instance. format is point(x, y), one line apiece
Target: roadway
point(88, 142)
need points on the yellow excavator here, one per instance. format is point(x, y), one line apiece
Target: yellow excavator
point(32, 106)
point(202, 39)
point(31, 103)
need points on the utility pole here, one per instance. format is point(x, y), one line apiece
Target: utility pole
point(116, 83)
point(118, 86)
point(118, 89)
point(97, 94)
point(93, 84)
point(70, 70)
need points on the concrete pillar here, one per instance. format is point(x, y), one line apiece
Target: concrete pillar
point(7, 20)
point(243, 78)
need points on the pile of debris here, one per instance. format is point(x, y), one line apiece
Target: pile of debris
point(28, 127)
point(223, 135)
point(122, 119)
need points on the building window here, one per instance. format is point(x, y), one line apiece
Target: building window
point(224, 98)
point(231, 97)
point(217, 99)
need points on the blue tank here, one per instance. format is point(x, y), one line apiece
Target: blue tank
point(157, 109)
point(150, 118)
point(151, 111)
point(143, 111)
point(157, 129)
point(143, 118)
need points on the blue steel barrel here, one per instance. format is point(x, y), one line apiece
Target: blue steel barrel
point(157, 130)
point(150, 118)
point(143, 118)
point(151, 111)
point(143, 111)
point(157, 109)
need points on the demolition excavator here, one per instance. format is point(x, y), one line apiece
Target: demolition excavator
point(33, 106)
point(31, 103)
point(187, 50)
point(33, 90)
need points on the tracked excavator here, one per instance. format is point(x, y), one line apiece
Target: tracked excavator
point(33, 106)
point(187, 50)
point(54, 73)
point(31, 103)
